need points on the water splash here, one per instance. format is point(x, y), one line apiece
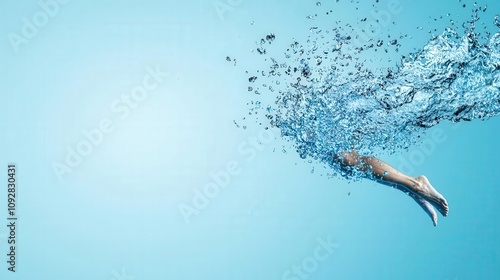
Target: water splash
point(331, 102)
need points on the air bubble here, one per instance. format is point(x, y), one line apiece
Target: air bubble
point(327, 97)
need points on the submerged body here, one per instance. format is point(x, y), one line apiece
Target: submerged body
point(452, 78)
point(418, 188)
point(330, 101)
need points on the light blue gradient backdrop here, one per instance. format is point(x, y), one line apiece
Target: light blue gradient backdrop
point(120, 208)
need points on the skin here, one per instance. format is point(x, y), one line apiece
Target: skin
point(418, 188)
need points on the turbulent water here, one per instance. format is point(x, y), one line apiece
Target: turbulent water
point(328, 101)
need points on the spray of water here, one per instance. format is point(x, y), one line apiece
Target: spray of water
point(327, 101)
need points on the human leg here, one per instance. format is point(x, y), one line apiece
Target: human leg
point(419, 188)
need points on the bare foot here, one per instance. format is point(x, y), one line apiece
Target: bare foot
point(426, 206)
point(428, 193)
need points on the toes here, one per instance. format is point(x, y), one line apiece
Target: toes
point(444, 211)
point(427, 207)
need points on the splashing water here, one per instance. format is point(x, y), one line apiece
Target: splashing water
point(326, 108)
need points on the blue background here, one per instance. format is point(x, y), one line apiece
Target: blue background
point(117, 215)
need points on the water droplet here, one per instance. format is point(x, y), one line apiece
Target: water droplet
point(319, 76)
point(319, 60)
